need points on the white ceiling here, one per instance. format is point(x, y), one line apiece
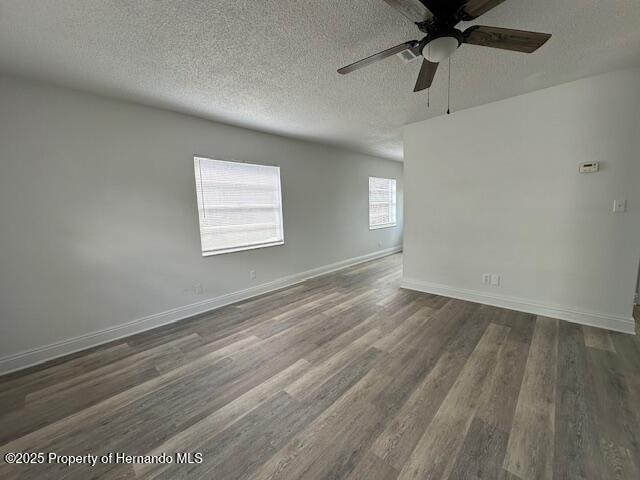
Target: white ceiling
point(271, 64)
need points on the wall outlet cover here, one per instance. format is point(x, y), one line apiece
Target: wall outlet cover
point(589, 167)
point(620, 206)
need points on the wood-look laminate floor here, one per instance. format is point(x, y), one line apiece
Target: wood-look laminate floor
point(345, 376)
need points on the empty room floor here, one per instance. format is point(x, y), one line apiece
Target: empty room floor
point(342, 376)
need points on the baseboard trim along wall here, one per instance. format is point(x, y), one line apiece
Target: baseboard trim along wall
point(571, 314)
point(45, 353)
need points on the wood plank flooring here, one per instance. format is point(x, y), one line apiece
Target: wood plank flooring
point(345, 376)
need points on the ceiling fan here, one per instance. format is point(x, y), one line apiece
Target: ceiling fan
point(437, 19)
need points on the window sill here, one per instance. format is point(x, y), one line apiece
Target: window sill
point(386, 225)
point(241, 249)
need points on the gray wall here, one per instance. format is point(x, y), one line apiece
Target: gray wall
point(99, 217)
point(496, 189)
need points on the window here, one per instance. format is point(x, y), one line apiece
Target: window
point(382, 202)
point(239, 205)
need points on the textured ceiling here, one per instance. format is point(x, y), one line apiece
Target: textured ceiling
point(271, 64)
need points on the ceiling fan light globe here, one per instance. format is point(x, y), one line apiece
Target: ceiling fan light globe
point(440, 48)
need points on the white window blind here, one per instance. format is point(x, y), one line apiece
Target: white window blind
point(382, 202)
point(239, 204)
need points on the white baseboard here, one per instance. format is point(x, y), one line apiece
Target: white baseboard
point(571, 314)
point(44, 353)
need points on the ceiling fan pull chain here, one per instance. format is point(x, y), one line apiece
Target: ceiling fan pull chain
point(449, 90)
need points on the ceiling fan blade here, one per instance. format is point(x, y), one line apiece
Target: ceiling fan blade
point(425, 77)
point(474, 8)
point(414, 10)
point(378, 56)
point(505, 38)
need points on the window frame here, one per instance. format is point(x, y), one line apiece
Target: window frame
point(200, 206)
point(394, 203)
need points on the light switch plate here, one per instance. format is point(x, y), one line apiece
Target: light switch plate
point(495, 280)
point(619, 206)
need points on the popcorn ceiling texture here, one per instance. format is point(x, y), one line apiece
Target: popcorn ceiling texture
point(271, 65)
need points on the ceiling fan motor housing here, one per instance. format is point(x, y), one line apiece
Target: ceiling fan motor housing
point(440, 46)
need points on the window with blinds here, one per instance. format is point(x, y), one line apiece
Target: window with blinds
point(382, 202)
point(239, 205)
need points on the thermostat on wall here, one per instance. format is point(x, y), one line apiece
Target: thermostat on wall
point(588, 167)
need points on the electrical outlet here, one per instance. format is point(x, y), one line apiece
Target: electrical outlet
point(252, 274)
point(379, 243)
point(619, 206)
point(495, 280)
point(486, 278)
